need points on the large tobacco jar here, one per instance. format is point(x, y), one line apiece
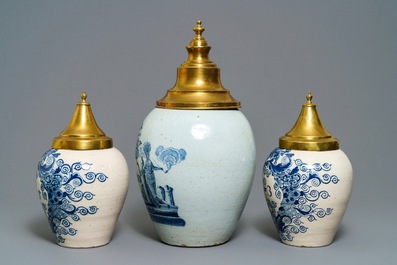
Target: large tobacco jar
point(307, 182)
point(82, 182)
point(195, 155)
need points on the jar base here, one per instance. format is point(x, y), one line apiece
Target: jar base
point(194, 245)
point(83, 246)
point(307, 244)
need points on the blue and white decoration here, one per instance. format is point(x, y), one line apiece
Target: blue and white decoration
point(60, 189)
point(295, 185)
point(159, 200)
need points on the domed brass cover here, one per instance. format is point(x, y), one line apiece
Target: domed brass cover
point(82, 133)
point(198, 84)
point(308, 132)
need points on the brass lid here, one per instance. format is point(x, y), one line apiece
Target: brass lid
point(308, 132)
point(198, 84)
point(82, 133)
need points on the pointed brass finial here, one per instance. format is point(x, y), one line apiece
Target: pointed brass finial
point(83, 96)
point(198, 84)
point(309, 98)
point(82, 133)
point(308, 132)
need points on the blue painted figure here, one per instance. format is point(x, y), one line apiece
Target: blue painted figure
point(159, 200)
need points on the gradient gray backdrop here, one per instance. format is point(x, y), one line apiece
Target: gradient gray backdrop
point(125, 54)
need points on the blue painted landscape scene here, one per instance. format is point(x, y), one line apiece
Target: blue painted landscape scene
point(159, 200)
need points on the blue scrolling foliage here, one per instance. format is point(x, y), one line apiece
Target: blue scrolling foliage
point(59, 187)
point(295, 183)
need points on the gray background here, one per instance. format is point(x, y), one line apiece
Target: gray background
point(125, 54)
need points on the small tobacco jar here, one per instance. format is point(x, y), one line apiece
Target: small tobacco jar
point(307, 182)
point(195, 155)
point(82, 182)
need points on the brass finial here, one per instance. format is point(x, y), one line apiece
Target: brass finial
point(82, 133)
point(198, 29)
point(198, 40)
point(309, 98)
point(198, 84)
point(83, 96)
point(308, 132)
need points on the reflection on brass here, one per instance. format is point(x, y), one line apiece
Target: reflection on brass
point(198, 84)
point(308, 132)
point(82, 133)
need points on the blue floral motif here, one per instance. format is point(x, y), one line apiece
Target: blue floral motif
point(59, 188)
point(159, 200)
point(295, 183)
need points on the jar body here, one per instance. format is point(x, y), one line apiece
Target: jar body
point(195, 169)
point(82, 193)
point(307, 193)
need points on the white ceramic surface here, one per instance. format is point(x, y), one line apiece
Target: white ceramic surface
point(195, 168)
point(307, 194)
point(82, 193)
